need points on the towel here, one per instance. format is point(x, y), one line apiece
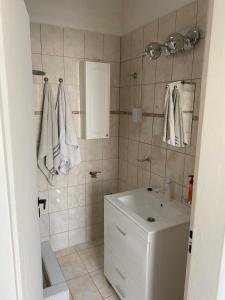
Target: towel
point(69, 148)
point(48, 152)
point(168, 129)
point(179, 105)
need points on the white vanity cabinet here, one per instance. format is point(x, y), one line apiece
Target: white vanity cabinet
point(139, 263)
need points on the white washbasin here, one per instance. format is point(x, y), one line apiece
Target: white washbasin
point(150, 210)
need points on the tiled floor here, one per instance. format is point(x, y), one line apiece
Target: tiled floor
point(82, 267)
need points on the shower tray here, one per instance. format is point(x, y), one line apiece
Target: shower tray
point(54, 284)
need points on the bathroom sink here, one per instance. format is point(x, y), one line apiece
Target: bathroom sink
point(150, 210)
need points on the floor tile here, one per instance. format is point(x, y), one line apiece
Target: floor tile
point(114, 297)
point(79, 248)
point(83, 288)
point(92, 258)
point(65, 252)
point(101, 283)
point(72, 266)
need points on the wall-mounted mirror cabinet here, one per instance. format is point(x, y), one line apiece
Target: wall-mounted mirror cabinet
point(95, 99)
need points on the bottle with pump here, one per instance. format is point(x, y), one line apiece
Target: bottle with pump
point(190, 189)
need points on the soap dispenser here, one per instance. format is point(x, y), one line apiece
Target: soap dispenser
point(190, 188)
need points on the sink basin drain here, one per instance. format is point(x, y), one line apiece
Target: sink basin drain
point(150, 219)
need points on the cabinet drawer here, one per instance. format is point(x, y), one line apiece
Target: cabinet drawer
point(123, 239)
point(126, 288)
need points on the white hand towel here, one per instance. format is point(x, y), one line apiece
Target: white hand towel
point(168, 130)
point(69, 148)
point(179, 102)
point(48, 152)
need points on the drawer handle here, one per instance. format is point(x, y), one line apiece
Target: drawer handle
point(121, 231)
point(120, 273)
point(119, 290)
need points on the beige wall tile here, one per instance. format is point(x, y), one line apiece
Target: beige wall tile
point(35, 32)
point(93, 165)
point(124, 126)
point(189, 166)
point(110, 168)
point(132, 176)
point(166, 26)
point(164, 68)
point(198, 59)
point(157, 132)
point(125, 73)
point(143, 178)
point(159, 98)
point(186, 17)
point(111, 48)
point(125, 102)
point(94, 213)
point(58, 222)
point(54, 67)
point(148, 98)
point(144, 151)
point(146, 130)
point(110, 148)
point(37, 65)
point(58, 200)
point(157, 181)
point(135, 67)
point(59, 241)
point(114, 74)
point(44, 225)
point(149, 70)
point(150, 32)
point(73, 43)
point(158, 161)
point(114, 125)
point(109, 186)
point(77, 175)
point(182, 66)
point(132, 152)
point(126, 41)
point(135, 96)
point(94, 232)
point(77, 218)
point(93, 149)
point(114, 99)
point(93, 192)
point(202, 16)
point(137, 47)
point(38, 96)
point(175, 166)
point(76, 196)
point(123, 170)
point(77, 236)
point(123, 148)
point(52, 40)
point(71, 67)
point(93, 45)
point(134, 130)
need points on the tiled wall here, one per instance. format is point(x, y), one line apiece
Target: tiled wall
point(74, 211)
point(147, 91)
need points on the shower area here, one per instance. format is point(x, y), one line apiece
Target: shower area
point(143, 62)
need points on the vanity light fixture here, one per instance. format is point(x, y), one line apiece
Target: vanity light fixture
point(176, 42)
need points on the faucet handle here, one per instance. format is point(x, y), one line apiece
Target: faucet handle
point(94, 173)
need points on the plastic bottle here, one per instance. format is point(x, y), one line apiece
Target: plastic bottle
point(190, 189)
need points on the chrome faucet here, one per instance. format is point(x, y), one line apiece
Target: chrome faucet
point(145, 159)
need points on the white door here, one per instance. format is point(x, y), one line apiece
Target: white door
point(205, 274)
point(20, 254)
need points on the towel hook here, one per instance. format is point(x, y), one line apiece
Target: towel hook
point(60, 80)
point(46, 79)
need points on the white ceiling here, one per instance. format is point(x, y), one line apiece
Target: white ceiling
point(109, 16)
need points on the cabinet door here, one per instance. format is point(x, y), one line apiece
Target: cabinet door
point(97, 100)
